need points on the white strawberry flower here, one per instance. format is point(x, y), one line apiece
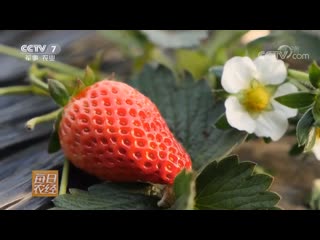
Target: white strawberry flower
point(253, 85)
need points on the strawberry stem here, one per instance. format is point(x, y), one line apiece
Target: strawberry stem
point(40, 84)
point(23, 90)
point(44, 118)
point(16, 90)
point(298, 84)
point(64, 178)
point(59, 66)
point(298, 75)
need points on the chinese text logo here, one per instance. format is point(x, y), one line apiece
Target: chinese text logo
point(35, 52)
point(45, 183)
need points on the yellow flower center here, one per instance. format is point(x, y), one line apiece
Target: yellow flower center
point(257, 98)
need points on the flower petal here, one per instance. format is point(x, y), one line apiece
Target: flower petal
point(271, 124)
point(285, 89)
point(316, 149)
point(270, 69)
point(237, 116)
point(237, 74)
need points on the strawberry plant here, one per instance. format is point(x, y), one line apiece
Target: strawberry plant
point(163, 139)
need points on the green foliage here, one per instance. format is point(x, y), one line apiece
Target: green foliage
point(217, 71)
point(147, 46)
point(79, 86)
point(214, 77)
point(89, 77)
point(297, 100)
point(135, 45)
point(231, 185)
point(316, 111)
point(58, 92)
point(227, 184)
point(96, 63)
point(222, 38)
point(296, 150)
point(131, 42)
point(184, 190)
point(304, 127)
point(190, 110)
point(108, 196)
point(54, 143)
point(314, 75)
point(222, 122)
point(196, 62)
point(311, 140)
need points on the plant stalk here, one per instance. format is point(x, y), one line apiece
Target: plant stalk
point(298, 75)
point(64, 178)
point(40, 84)
point(16, 90)
point(44, 118)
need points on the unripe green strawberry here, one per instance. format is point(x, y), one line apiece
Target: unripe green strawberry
point(114, 132)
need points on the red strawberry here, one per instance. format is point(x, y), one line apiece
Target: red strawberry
point(114, 132)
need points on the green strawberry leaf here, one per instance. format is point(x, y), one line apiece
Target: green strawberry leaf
point(58, 92)
point(297, 100)
point(222, 122)
point(311, 141)
point(231, 185)
point(184, 190)
point(190, 110)
point(316, 110)
point(108, 196)
point(304, 127)
point(314, 74)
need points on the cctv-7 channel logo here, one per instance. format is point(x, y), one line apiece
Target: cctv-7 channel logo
point(35, 52)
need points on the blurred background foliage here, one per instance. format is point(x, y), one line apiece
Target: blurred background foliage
point(198, 50)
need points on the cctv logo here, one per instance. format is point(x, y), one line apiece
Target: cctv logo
point(41, 49)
